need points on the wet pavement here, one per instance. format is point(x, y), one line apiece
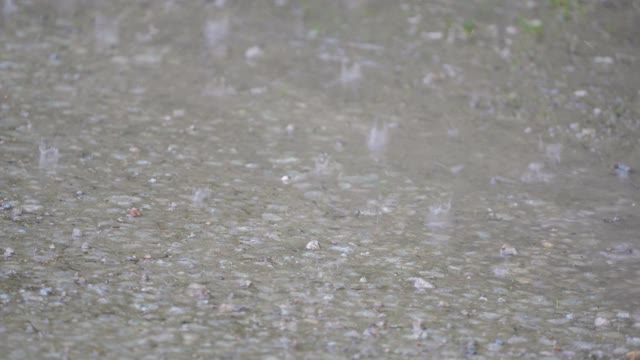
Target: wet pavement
point(319, 179)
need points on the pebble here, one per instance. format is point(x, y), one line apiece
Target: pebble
point(30, 209)
point(600, 322)
point(606, 60)
point(198, 291)
point(226, 308)
point(508, 250)
point(434, 35)
point(421, 284)
point(253, 52)
point(622, 170)
point(8, 252)
point(271, 217)
point(134, 213)
point(633, 355)
point(580, 93)
point(313, 245)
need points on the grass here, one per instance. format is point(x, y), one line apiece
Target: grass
point(468, 26)
point(531, 26)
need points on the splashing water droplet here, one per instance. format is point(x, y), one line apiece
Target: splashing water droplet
point(377, 140)
point(49, 157)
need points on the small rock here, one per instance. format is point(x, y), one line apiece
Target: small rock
point(290, 128)
point(471, 347)
point(76, 233)
point(622, 170)
point(271, 217)
point(419, 329)
point(421, 284)
point(198, 291)
point(606, 60)
point(434, 35)
point(46, 291)
point(580, 93)
point(253, 52)
point(313, 245)
point(226, 308)
point(508, 250)
point(134, 212)
point(30, 209)
point(599, 322)
point(8, 252)
point(633, 355)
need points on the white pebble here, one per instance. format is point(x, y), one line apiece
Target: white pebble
point(8, 252)
point(290, 129)
point(601, 322)
point(580, 93)
point(271, 217)
point(507, 250)
point(198, 291)
point(76, 233)
point(285, 179)
point(313, 245)
point(606, 60)
point(253, 52)
point(434, 35)
point(421, 284)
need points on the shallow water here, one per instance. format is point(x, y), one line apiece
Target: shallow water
point(454, 161)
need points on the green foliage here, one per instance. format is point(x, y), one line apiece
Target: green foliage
point(531, 26)
point(469, 26)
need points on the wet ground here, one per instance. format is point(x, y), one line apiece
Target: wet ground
point(319, 179)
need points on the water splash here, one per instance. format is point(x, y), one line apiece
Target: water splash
point(49, 157)
point(322, 164)
point(438, 217)
point(216, 33)
point(107, 32)
point(200, 196)
point(535, 173)
point(349, 73)
point(377, 140)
